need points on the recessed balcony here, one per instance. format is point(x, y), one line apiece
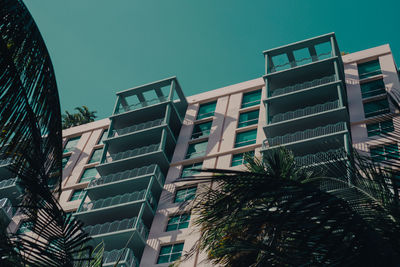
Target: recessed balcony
point(119, 206)
point(6, 210)
point(332, 155)
point(4, 168)
point(136, 127)
point(142, 104)
point(301, 139)
point(123, 181)
point(9, 189)
point(124, 257)
point(116, 234)
point(300, 62)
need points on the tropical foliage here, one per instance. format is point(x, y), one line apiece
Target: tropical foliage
point(84, 115)
point(30, 121)
point(278, 214)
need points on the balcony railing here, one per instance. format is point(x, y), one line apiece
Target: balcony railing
point(116, 200)
point(333, 154)
point(301, 86)
point(307, 134)
point(116, 226)
point(300, 62)
point(139, 105)
point(6, 206)
point(128, 174)
point(8, 182)
point(305, 111)
point(133, 152)
point(125, 256)
point(137, 127)
point(5, 161)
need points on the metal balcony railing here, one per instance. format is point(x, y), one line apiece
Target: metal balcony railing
point(5, 161)
point(149, 102)
point(128, 174)
point(116, 226)
point(116, 200)
point(306, 134)
point(8, 182)
point(305, 111)
point(133, 152)
point(332, 154)
point(137, 127)
point(125, 256)
point(6, 206)
point(301, 86)
point(303, 61)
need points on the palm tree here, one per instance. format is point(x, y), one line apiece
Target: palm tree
point(278, 214)
point(84, 115)
point(30, 120)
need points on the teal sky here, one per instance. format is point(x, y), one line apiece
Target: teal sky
point(99, 47)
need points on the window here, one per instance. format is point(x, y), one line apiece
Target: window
point(77, 194)
point(206, 110)
point(385, 152)
point(375, 108)
point(185, 194)
point(65, 161)
point(178, 222)
point(24, 227)
point(380, 127)
point(246, 138)
point(248, 118)
point(369, 69)
point(191, 170)
point(238, 159)
point(103, 136)
point(170, 253)
point(88, 175)
point(71, 144)
point(196, 149)
point(52, 182)
point(373, 88)
point(201, 130)
point(251, 99)
point(96, 155)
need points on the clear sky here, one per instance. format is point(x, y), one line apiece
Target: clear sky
point(99, 47)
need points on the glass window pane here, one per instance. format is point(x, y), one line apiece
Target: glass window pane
point(251, 98)
point(191, 170)
point(170, 253)
point(246, 138)
point(201, 130)
point(71, 144)
point(88, 175)
point(369, 69)
point(373, 88)
point(177, 247)
point(163, 259)
point(65, 161)
point(380, 127)
point(96, 155)
point(248, 118)
point(375, 108)
point(238, 159)
point(196, 149)
point(103, 136)
point(206, 110)
point(185, 194)
point(77, 194)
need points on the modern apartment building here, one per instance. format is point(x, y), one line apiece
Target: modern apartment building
point(122, 175)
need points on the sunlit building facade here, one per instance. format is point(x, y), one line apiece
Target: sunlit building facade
point(122, 175)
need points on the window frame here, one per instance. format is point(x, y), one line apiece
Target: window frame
point(186, 198)
point(240, 123)
point(367, 94)
point(251, 152)
point(380, 129)
point(178, 224)
point(103, 136)
point(196, 153)
point(93, 152)
point(77, 138)
point(170, 253)
point(205, 133)
point(378, 112)
point(81, 193)
point(201, 116)
point(387, 152)
point(83, 173)
point(366, 75)
point(252, 141)
point(193, 166)
point(252, 103)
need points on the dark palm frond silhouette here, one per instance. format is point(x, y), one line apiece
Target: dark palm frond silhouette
point(280, 214)
point(30, 122)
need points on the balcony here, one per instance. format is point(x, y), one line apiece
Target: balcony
point(331, 155)
point(117, 207)
point(302, 86)
point(309, 134)
point(116, 234)
point(125, 256)
point(305, 111)
point(300, 62)
point(7, 211)
point(143, 104)
point(137, 127)
point(132, 153)
point(9, 189)
point(124, 181)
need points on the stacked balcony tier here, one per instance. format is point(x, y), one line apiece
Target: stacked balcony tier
point(10, 189)
point(6, 210)
point(123, 181)
point(124, 257)
point(115, 234)
point(5, 165)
